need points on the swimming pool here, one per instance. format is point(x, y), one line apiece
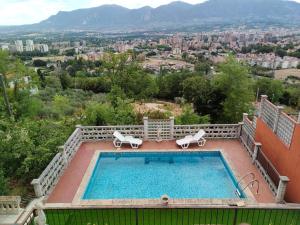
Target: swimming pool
point(180, 175)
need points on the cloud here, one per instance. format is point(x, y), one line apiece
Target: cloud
point(27, 11)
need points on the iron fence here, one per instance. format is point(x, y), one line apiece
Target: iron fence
point(173, 216)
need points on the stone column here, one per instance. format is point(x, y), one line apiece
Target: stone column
point(172, 127)
point(257, 148)
point(277, 116)
point(63, 153)
point(245, 116)
point(79, 127)
point(145, 128)
point(281, 189)
point(37, 187)
point(240, 127)
point(261, 108)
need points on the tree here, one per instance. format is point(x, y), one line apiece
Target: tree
point(3, 183)
point(203, 67)
point(115, 94)
point(280, 52)
point(65, 80)
point(70, 52)
point(171, 85)
point(206, 100)
point(39, 63)
point(98, 114)
point(273, 88)
point(61, 105)
point(185, 56)
point(42, 78)
point(190, 117)
point(291, 97)
point(4, 62)
point(234, 82)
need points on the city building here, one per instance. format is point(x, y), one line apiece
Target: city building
point(19, 46)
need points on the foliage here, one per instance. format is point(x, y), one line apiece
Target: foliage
point(3, 183)
point(39, 63)
point(98, 114)
point(65, 80)
point(164, 48)
point(171, 85)
point(203, 67)
point(272, 88)
point(234, 82)
point(27, 147)
point(291, 97)
point(190, 117)
point(3, 61)
point(70, 52)
point(295, 54)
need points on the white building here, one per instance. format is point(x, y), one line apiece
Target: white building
point(176, 51)
point(5, 47)
point(19, 45)
point(29, 46)
point(42, 48)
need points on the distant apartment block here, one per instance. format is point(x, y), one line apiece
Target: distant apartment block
point(42, 48)
point(19, 46)
point(29, 46)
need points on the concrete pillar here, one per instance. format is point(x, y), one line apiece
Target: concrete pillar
point(261, 108)
point(172, 127)
point(277, 116)
point(245, 116)
point(257, 148)
point(79, 127)
point(281, 189)
point(146, 128)
point(240, 127)
point(37, 187)
point(61, 149)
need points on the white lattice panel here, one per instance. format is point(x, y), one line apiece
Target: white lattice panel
point(285, 129)
point(212, 131)
point(161, 128)
point(50, 175)
point(248, 127)
point(268, 113)
point(72, 144)
point(247, 140)
point(106, 132)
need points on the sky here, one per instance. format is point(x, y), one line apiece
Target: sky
point(17, 12)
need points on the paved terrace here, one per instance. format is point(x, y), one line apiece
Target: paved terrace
point(234, 152)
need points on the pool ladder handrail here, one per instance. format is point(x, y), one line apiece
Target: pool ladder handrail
point(245, 176)
point(252, 184)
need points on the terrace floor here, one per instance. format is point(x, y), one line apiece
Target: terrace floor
point(236, 155)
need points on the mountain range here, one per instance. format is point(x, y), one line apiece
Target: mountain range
point(175, 14)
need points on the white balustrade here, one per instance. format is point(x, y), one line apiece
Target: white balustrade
point(214, 131)
point(9, 205)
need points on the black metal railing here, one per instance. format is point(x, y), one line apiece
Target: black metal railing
point(174, 216)
point(269, 168)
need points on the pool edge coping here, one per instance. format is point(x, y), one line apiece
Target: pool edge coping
point(78, 201)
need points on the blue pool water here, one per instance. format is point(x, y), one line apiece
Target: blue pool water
point(151, 175)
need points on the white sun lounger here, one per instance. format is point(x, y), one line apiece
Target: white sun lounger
point(191, 139)
point(121, 139)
